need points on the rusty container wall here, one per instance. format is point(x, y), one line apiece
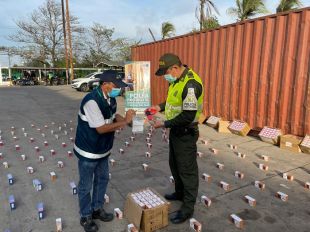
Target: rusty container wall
point(257, 71)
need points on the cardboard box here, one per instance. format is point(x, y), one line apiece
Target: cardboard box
point(223, 127)
point(239, 128)
point(270, 135)
point(146, 219)
point(305, 144)
point(213, 121)
point(290, 143)
point(250, 200)
point(282, 196)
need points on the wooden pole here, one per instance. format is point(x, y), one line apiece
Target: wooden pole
point(65, 40)
point(70, 39)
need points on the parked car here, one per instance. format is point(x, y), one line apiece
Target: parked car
point(95, 82)
point(81, 84)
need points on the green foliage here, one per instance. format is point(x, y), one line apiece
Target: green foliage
point(246, 9)
point(286, 5)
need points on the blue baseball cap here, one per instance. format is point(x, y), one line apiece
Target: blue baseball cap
point(112, 76)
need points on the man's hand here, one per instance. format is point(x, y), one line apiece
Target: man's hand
point(129, 115)
point(119, 118)
point(158, 124)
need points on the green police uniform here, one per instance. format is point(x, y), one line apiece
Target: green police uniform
point(182, 110)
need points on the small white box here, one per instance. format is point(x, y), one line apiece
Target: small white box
point(239, 175)
point(52, 152)
point(288, 177)
point(220, 166)
point(106, 199)
point(148, 154)
point(118, 213)
point(112, 162)
point(206, 201)
point(239, 223)
point(241, 155)
point(149, 145)
point(259, 184)
point(30, 170)
point(214, 151)
point(171, 179)
point(307, 185)
point(195, 225)
point(199, 154)
point(224, 185)
point(121, 151)
point(263, 167)
point(132, 228)
point(145, 167)
point(265, 158)
point(60, 164)
point(282, 196)
point(250, 200)
point(206, 177)
point(58, 225)
point(41, 158)
point(127, 144)
point(6, 164)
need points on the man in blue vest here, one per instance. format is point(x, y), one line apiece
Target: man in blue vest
point(97, 122)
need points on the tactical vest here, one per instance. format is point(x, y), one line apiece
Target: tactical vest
point(174, 102)
point(89, 144)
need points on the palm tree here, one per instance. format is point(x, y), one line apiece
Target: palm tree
point(167, 30)
point(210, 6)
point(247, 8)
point(286, 5)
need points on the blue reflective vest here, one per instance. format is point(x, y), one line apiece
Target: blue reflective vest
point(89, 144)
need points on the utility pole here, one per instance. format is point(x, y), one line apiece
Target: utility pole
point(152, 35)
point(65, 40)
point(70, 39)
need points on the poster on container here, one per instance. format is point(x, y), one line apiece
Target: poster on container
point(138, 92)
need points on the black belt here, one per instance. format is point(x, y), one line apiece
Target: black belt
point(190, 129)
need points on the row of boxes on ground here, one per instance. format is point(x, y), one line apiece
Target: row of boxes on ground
point(267, 134)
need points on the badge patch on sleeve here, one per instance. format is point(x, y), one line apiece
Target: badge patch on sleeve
point(190, 102)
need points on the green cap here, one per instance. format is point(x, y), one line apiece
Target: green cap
point(165, 62)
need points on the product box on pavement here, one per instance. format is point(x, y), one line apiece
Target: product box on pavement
point(270, 135)
point(290, 142)
point(147, 210)
point(223, 127)
point(239, 128)
point(305, 144)
point(213, 121)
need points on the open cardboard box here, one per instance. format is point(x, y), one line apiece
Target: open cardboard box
point(147, 220)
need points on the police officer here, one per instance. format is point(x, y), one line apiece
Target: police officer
point(182, 108)
point(97, 121)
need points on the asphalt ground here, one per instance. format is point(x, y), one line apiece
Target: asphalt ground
point(55, 107)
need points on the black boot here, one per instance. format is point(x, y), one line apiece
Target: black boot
point(103, 215)
point(180, 217)
point(173, 197)
point(88, 224)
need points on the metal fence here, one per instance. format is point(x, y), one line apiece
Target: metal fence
point(256, 71)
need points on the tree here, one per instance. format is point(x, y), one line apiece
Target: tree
point(42, 32)
point(210, 23)
point(167, 30)
point(101, 46)
point(286, 5)
point(247, 8)
point(205, 12)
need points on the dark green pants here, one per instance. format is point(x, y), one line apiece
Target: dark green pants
point(183, 165)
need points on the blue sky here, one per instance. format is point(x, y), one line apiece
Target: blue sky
point(130, 18)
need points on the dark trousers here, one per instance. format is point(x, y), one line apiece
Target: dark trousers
point(183, 165)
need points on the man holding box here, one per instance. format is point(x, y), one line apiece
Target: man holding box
point(182, 110)
point(97, 122)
